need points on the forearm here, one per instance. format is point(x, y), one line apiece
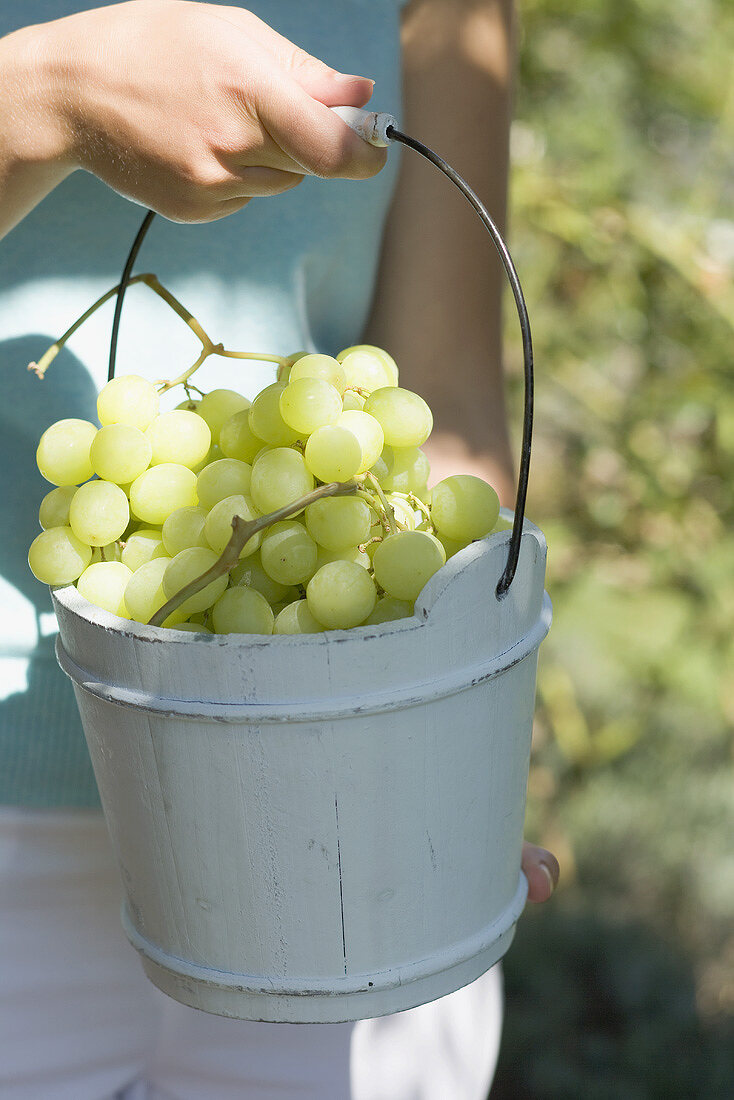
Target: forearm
point(438, 306)
point(34, 153)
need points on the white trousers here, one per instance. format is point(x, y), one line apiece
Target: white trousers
point(79, 1020)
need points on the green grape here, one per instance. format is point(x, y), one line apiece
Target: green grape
point(341, 595)
point(242, 611)
point(403, 510)
point(405, 417)
point(111, 552)
point(218, 526)
point(408, 469)
point(333, 454)
point(222, 479)
point(193, 628)
point(179, 436)
point(129, 399)
point(284, 368)
point(288, 553)
point(57, 556)
point(502, 524)
point(279, 477)
point(104, 585)
point(63, 452)
point(350, 553)
point(99, 513)
point(310, 403)
point(380, 469)
point(353, 401)
point(369, 435)
point(120, 453)
point(161, 490)
point(250, 572)
point(451, 546)
point(365, 370)
point(296, 618)
point(387, 362)
point(144, 593)
point(464, 507)
point(388, 610)
point(184, 528)
point(266, 420)
point(319, 366)
point(218, 406)
point(339, 522)
point(237, 440)
point(189, 405)
point(405, 562)
point(186, 567)
point(141, 546)
point(54, 509)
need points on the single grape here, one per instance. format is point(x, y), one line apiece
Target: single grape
point(341, 595)
point(310, 403)
point(128, 399)
point(353, 401)
point(99, 513)
point(142, 546)
point(218, 406)
point(388, 610)
point(179, 436)
point(339, 522)
point(218, 526)
point(184, 528)
point(242, 611)
point(319, 366)
point(405, 562)
point(369, 434)
point(408, 469)
point(366, 371)
point(161, 490)
point(464, 507)
point(250, 572)
point(350, 553)
point(63, 452)
point(193, 628)
point(266, 420)
point(405, 417)
point(237, 439)
point(279, 477)
point(120, 453)
point(186, 567)
point(380, 468)
point(502, 524)
point(222, 479)
point(288, 553)
point(57, 556)
point(104, 585)
point(54, 509)
point(144, 593)
point(451, 546)
point(333, 454)
point(387, 362)
point(296, 618)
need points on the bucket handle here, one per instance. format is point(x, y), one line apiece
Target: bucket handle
point(383, 131)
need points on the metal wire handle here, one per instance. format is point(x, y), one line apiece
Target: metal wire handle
point(381, 129)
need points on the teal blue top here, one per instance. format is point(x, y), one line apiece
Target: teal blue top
point(290, 272)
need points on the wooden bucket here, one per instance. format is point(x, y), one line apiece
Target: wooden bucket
point(319, 827)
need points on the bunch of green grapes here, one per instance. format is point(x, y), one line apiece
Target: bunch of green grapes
point(144, 504)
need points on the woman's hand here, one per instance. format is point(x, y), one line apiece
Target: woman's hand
point(541, 870)
point(188, 108)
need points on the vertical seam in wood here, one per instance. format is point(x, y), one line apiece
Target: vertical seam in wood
point(341, 892)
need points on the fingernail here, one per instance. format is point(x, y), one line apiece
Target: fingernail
point(551, 880)
point(345, 78)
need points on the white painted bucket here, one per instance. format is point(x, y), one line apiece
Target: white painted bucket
point(319, 827)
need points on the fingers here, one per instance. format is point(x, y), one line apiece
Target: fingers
point(542, 871)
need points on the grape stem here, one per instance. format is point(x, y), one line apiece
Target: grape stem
point(384, 502)
point(207, 344)
point(242, 532)
point(416, 502)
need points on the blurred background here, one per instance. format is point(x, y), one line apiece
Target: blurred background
point(622, 228)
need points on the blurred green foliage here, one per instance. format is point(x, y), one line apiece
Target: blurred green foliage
point(623, 233)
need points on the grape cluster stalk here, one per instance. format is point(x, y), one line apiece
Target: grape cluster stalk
point(306, 509)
